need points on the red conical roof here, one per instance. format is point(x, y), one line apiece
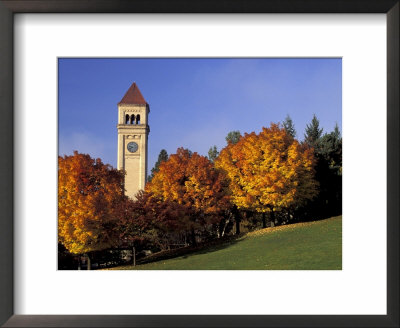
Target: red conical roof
point(133, 96)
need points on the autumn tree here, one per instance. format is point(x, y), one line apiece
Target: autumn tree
point(192, 181)
point(90, 198)
point(233, 137)
point(162, 157)
point(154, 222)
point(288, 125)
point(269, 171)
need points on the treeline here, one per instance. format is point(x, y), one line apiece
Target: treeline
point(256, 180)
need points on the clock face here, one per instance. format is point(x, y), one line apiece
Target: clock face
point(132, 147)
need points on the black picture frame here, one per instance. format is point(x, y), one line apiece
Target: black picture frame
point(7, 10)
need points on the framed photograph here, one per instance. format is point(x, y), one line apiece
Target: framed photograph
point(211, 221)
point(163, 90)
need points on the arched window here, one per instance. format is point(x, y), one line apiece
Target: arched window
point(138, 119)
point(132, 119)
point(126, 119)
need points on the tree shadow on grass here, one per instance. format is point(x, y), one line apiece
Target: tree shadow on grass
point(186, 252)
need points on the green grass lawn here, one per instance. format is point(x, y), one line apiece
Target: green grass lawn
point(304, 246)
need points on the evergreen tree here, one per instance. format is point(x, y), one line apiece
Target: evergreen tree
point(233, 137)
point(313, 133)
point(162, 157)
point(289, 126)
point(328, 152)
point(213, 153)
point(331, 148)
point(336, 132)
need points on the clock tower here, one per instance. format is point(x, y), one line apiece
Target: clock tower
point(133, 130)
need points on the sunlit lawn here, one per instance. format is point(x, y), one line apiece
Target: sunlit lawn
point(304, 246)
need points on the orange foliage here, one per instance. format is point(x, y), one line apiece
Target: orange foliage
point(192, 181)
point(90, 198)
point(268, 171)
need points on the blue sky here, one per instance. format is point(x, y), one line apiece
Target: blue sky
point(194, 103)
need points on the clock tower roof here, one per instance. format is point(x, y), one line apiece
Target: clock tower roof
point(133, 96)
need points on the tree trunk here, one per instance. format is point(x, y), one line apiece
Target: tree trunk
point(88, 262)
point(219, 229)
point(273, 217)
point(264, 220)
point(237, 221)
point(193, 237)
point(236, 217)
point(224, 228)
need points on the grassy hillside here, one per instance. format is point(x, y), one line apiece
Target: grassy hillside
point(304, 246)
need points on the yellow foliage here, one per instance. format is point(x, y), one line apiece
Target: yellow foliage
point(268, 171)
